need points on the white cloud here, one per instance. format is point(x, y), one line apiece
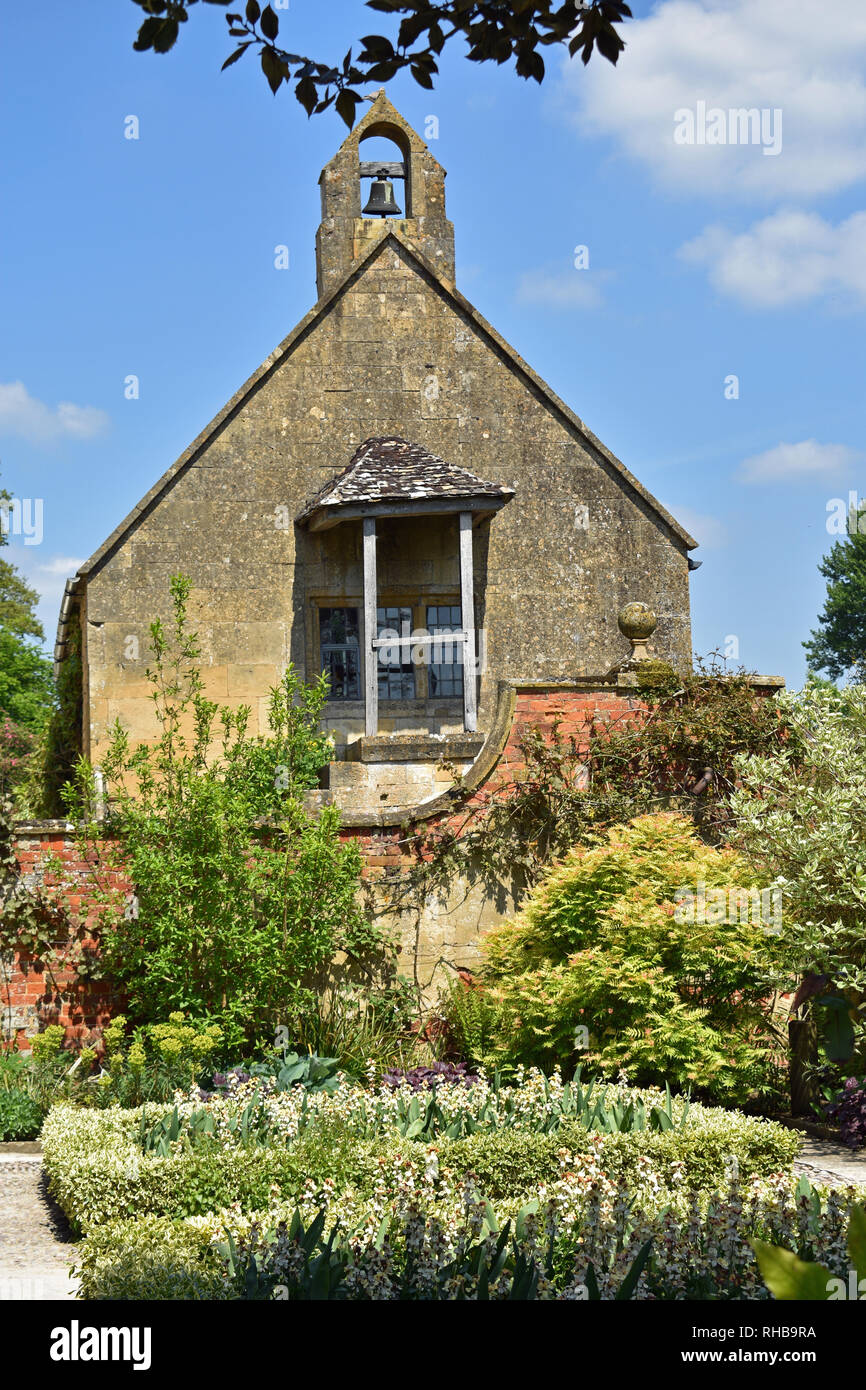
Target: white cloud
point(789, 462)
point(708, 531)
point(554, 289)
point(62, 565)
point(788, 258)
point(807, 61)
point(23, 415)
point(48, 577)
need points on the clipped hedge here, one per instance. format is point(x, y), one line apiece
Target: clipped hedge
point(151, 1258)
point(98, 1173)
point(107, 1177)
point(512, 1162)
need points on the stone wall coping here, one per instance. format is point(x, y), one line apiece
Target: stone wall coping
point(414, 748)
point(32, 829)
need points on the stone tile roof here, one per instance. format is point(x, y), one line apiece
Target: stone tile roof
point(394, 470)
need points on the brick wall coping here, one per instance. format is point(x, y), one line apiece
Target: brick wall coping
point(36, 829)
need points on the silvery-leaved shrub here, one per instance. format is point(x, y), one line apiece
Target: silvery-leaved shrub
point(800, 818)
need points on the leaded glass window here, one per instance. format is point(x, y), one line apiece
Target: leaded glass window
point(445, 672)
point(341, 652)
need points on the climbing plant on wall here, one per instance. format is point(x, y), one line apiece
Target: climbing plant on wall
point(35, 925)
point(678, 754)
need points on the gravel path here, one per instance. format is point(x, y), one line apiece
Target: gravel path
point(36, 1247)
point(826, 1161)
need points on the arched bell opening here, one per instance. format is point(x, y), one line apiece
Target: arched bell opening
point(383, 170)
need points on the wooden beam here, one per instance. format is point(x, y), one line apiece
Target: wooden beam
point(393, 169)
point(467, 601)
point(371, 657)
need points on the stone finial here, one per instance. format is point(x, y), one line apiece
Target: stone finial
point(637, 622)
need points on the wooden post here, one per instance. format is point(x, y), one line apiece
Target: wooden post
point(467, 603)
point(371, 654)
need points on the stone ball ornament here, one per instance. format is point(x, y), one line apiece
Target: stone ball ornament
point(637, 622)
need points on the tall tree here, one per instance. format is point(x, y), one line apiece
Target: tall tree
point(496, 31)
point(838, 646)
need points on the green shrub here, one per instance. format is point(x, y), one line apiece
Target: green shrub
point(605, 951)
point(97, 1172)
point(236, 924)
point(703, 1157)
point(471, 1019)
point(14, 1070)
point(513, 1163)
point(20, 1115)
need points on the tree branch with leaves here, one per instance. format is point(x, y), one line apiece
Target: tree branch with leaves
point(494, 31)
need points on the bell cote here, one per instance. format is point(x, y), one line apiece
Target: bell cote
point(364, 195)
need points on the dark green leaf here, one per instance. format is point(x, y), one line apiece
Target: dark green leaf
point(147, 33)
point(381, 72)
point(629, 1283)
point(270, 24)
point(233, 57)
point(347, 102)
point(375, 44)
point(307, 93)
point(274, 68)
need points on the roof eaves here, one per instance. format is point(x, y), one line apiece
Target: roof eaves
point(67, 604)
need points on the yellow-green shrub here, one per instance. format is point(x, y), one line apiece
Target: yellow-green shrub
point(603, 943)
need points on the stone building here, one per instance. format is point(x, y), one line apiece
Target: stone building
point(394, 496)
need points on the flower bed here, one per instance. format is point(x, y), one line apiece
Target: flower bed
point(417, 1234)
point(107, 1164)
point(454, 1191)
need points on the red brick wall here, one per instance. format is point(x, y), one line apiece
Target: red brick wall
point(31, 996)
point(573, 712)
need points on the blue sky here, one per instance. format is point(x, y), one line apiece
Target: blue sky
point(155, 257)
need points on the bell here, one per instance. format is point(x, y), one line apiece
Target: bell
point(381, 202)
